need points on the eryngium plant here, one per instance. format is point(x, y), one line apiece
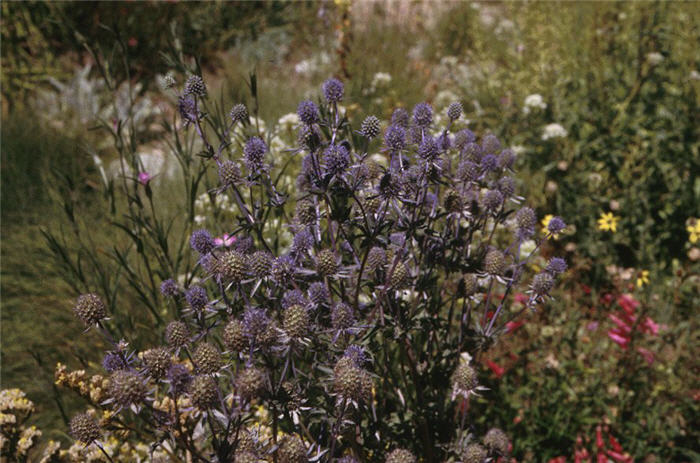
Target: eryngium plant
point(354, 341)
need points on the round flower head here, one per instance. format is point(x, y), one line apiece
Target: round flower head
point(260, 263)
point(233, 266)
point(350, 381)
point(167, 82)
point(526, 220)
point(490, 144)
point(474, 453)
point(169, 288)
point(493, 199)
point(444, 142)
point(357, 354)
point(333, 90)
point(176, 334)
point(400, 117)
point(201, 241)
point(428, 149)
point(204, 392)
point(506, 159)
point(342, 316)
point(468, 171)
point(210, 264)
point(293, 297)
point(400, 277)
point(126, 388)
point(542, 284)
point(497, 442)
point(234, 337)
point(197, 297)
point(113, 361)
point(422, 115)
point(282, 270)
point(453, 201)
point(337, 159)
point(494, 262)
point(195, 86)
point(376, 259)
point(207, 358)
point(239, 113)
point(327, 262)
point(463, 137)
point(556, 225)
point(308, 137)
point(318, 293)
point(90, 309)
point(506, 185)
point(229, 173)
point(250, 382)
point(471, 284)
point(303, 241)
point(473, 151)
point(454, 111)
point(296, 322)
point(84, 427)
point(556, 265)
point(255, 322)
point(307, 112)
point(305, 212)
point(464, 380)
point(370, 127)
point(179, 378)
point(395, 138)
point(400, 456)
point(187, 108)
point(157, 362)
point(292, 450)
point(489, 163)
point(254, 153)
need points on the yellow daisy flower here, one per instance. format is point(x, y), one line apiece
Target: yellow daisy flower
point(643, 278)
point(693, 231)
point(608, 222)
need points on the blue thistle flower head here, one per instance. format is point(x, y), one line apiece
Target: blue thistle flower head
point(428, 149)
point(196, 297)
point(333, 90)
point(454, 111)
point(254, 153)
point(493, 199)
point(255, 321)
point(422, 115)
point(357, 354)
point(318, 293)
point(489, 163)
point(400, 117)
point(293, 297)
point(303, 241)
point(490, 144)
point(556, 225)
point(201, 241)
point(463, 137)
point(337, 159)
point(473, 151)
point(506, 159)
point(113, 361)
point(179, 378)
point(395, 138)
point(169, 288)
point(556, 265)
point(307, 112)
point(187, 107)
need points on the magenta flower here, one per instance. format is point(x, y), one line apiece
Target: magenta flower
point(225, 240)
point(144, 178)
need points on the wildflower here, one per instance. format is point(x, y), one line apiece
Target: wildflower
point(422, 115)
point(292, 450)
point(254, 152)
point(608, 222)
point(229, 173)
point(337, 159)
point(464, 380)
point(144, 178)
point(196, 297)
point(296, 321)
point(195, 86)
point(169, 288)
point(333, 90)
point(179, 378)
point(400, 117)
point(474, 453)
point(534, 101)
point(307, 112)
point(554, 131)
point(547, 230)
point(318, 293)
point(370, 127)
point(207, 358)
point(90, 309)
point(395, 138)
point(250, 383)
point(497, 442)
point(201, 241)
point(167, 81)
point(350, 381)
point(126, 388)
point(655, 58)
point(400, 456)
point(113, 361)
point(85, 428)
point(239, 113)
point(204, 392)
point(556, 265)
point(490, 144)
point(428, 149)
point(693, 229)
point(157, 362)
point(643, 278)
point(176, 334)
point(463, 137)
point(454, 111)
point(233, 336)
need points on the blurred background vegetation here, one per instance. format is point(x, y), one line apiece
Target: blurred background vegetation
point(599, 100)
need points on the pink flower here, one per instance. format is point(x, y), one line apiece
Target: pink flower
point(622, 326)
point(521, 298)
point(512, 326)
point(592, 326)
point(647, 354)
point(225, 240)
point(144, 178)
point(650, 326)
point(627, 302)
point(618, 338)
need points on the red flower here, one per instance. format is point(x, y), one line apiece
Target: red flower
point(495, 368)
point(627, 302)
point(512, 326)
point(619, 339)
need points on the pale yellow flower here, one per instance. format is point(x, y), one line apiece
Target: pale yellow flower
point(608, 222)
point(693, 231)
point(643, 278)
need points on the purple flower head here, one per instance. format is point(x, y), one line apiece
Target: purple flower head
point(506, 159)
point(333, 90)
point(506, 185)
point(428, 149)
point(444, 142)
point(493, 199)
point(303, 241)
point(201, 241)
point(489, 163)
point(195, 86)
point(422, 115)
point(187, 108)
point(468, 171)
point(357, 354)
point(197, 297)
point(244, 244)
point(556, 225)
point(254, 153)
point(370, 127)
point(463, 137)
point(337, 159)
point(308, 112)
point(473, 151)
point(556, 265)
point(400, 117)
point(342, 316)
point(293, 297)
point(318, 293)
point(144, 178)
point(395, 138)
point(179, 378)
point(169, 288)
point(113, 361)
point(490, 144)
point(542, 284)
point(454, 111)
point(255, 321)
point(239, 113)
point(282, 270)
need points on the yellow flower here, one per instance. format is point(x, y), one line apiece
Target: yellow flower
point(545, 224)
point(643, 278)
point(694, 230)
point(608, 222)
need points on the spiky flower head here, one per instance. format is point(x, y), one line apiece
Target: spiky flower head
point(395, 138)
point(342, 316)
point(296, 322)
point(201, 241)
point(126, 388)
point(471, 284)
point(113, 361)
point(333, 90)
point(506, 159)
point(187, 107)
point(254, 153)
point(370, 127)
point(468, 171)
point(400, 117)
point(305, 212)
point(233, 336)
point(542, 283)
point(250, 383)
point(90, 309)
point(428, 149)
point(239, 113)
point(157, 362)
point(556, 225)
point(464, 380)
point(260, 263)
point(195, 86)
point(376, 259)
point(497, 442)
point(282, 270)
point(490, 144)
point(463, 137)
point(169, 288)
point(337, 159)
point(255, 322)
point(494, 262)
point(454, 111)
point(177, 334)
point(422, 115)
point(229, 173)
point(179, 378)
point(493, 200)
point(327, 262)
point(357, 354)
point(400, 456)
point(318, 293)
point(400, 277)
point(506, 185)
point(350, 381)
point(233, 266)
point(292, 450)
point(307, 112)
point(167, 82)
point(526, 220)
point(453, 202)
point(556, 265)
point(207, 358)
point(204, 392)
point(84, 427)
point(474, 453)
point(473, 151)
point(489, 163)
point(196, 297)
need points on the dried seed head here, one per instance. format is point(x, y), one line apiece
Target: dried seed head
point(90, 309)
point(305, 212)
point(157, 361)
point(296, 322)
point(233, 336)
point(400, 456)
point(526, 220)
point(453, 201)
point(260, 263)
point(204, 392)
point(229, 173)
point(250, 383)
point(207, 358)
point(350, 381)
point(292, 450)
point(542, 283)
point(497, 442)
point(327, 262)
point(85, 428)
point(400, 277)
point(342, 316)
point(126, 388)
point(376, 259)
point(474, 453)
point(471, 284)
point(177, 334)
point(233, 266)
point(464, 379)
point(495, 262)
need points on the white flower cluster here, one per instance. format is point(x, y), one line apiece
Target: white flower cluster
point(554, 131)
point(533, 102)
